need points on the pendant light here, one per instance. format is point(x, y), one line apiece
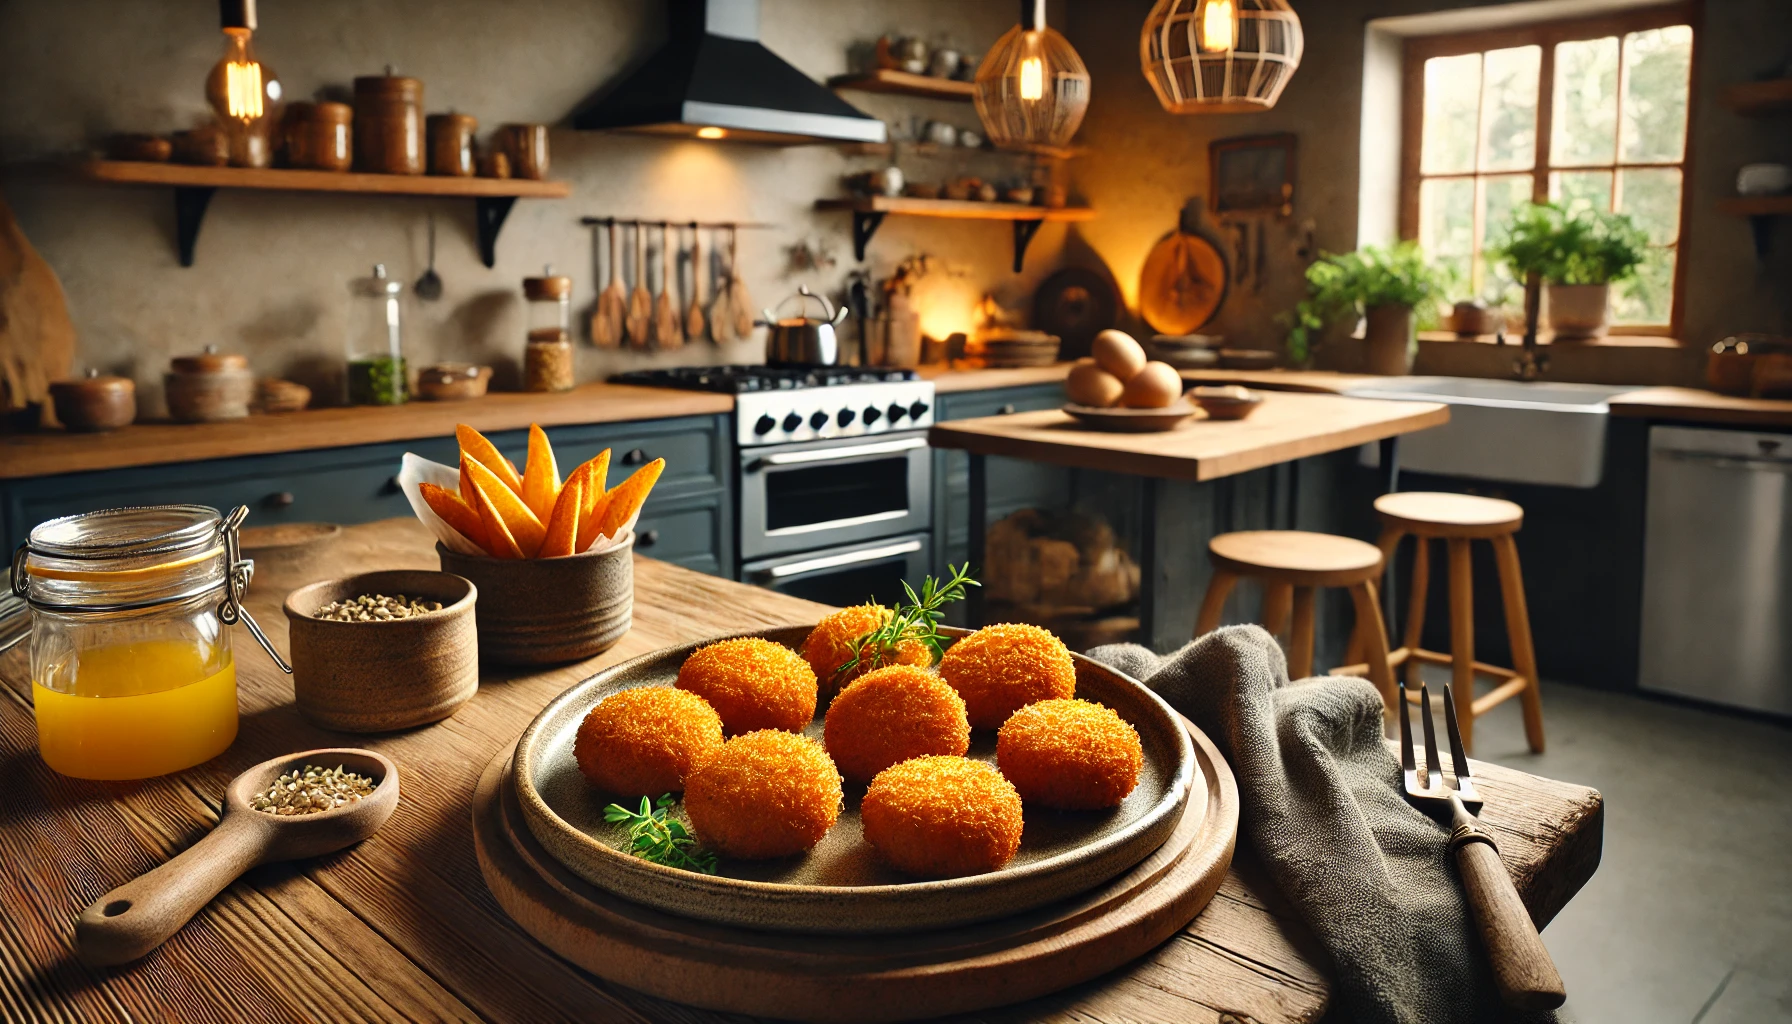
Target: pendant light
point(1220, 56)
point(1032, 89)
point(242, 90)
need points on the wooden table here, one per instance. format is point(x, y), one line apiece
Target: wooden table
point(401, 927)
point(1287, 426)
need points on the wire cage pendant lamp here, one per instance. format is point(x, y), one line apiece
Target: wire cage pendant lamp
point(1032, 89)
point(1220, 56)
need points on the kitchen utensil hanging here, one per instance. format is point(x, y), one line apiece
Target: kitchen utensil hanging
point(668, 329)
point(694, 324)
point(612, 304)
point(729, 313)
point(639, 319)
point(1185, 277)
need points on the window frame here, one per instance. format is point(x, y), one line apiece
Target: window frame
point(1546, 34)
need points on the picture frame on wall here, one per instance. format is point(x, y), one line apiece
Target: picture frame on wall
point(1253, 174)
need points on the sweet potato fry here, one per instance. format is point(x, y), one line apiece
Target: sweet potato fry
point(563, 525)
point(541, 476)
point(456, 513)
point(473, 445)
point(466, 485)
point(626, 499)
point(521, 524)
point(599, 482)
point(502, 544)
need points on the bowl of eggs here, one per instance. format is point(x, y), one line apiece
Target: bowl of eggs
point(1117, 388)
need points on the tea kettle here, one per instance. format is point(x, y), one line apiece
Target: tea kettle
point(802, 340)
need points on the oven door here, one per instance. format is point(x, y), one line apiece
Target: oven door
point(813, 495)
point(849, 575)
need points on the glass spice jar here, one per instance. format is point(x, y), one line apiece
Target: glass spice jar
point(376, 367)
point(547, 359)
point(132, 673)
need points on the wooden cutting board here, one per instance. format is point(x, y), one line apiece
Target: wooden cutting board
point(1183, 283)
point(37, 339)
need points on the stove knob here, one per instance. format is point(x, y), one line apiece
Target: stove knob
point(895, 412)
point(764, 425)
point(918, 410)
point(791, 422)
point(872, 414)
point(845, 417)
point(818, 420)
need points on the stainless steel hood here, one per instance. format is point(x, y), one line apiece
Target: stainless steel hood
point(714, 79)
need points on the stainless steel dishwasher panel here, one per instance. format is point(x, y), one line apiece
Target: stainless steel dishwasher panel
point(1717, 568)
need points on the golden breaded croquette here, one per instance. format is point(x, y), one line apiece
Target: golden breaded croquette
point(890, 715)
point(643, 742)
point(753, 684)
point(1073, 755)
point(942, 817)
point(764, 794)
point(830, 646)
point(1000, 669)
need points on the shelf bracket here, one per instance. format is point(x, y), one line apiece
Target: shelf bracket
point(190, 202)
point(1762, 226)
point(489, 212)
point(864, 224)
point(1024, 230)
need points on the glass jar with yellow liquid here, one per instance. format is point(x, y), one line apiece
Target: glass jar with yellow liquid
point(132, 673)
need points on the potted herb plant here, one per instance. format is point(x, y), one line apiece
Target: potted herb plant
point(1384, 286)
point(1577, 254)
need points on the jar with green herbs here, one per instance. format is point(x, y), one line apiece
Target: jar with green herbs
point(377, 374)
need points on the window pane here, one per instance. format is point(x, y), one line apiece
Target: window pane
point(1500, 196)
point(1581, 189)
point(1447, 226)
point(1647, 298)
point(1452, 96)
point(1509, 109)
point(1652, 196)
point(1585, 126)
point(1657, 65)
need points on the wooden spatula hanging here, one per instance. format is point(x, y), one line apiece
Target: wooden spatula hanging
point(612, 304)
point(721, 321)
point(638, 322)
point(740, 304)
point(668, 327)
point(694, 325)
point(1185, 278)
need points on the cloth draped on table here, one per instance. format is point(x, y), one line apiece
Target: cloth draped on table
point(1322, 808)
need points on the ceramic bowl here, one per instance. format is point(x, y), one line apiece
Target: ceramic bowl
point(1226, 402)
point(546, 611)
point(381, 676)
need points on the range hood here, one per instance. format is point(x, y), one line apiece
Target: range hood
point(713, 79)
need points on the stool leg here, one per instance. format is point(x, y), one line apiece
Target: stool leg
point(1300, 635)
point(1462, 639)
point(1278, 599)
point(1518, 633)
point(1214, 603)
point(1375, 642)
point(1415, 611)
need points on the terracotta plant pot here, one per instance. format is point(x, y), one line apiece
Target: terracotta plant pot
point(381, 676)
point(1577, 311)
point(545, 611)
point(1390, 341)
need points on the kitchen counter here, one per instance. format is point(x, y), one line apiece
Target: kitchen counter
point(401, 927)
point(1691, 405)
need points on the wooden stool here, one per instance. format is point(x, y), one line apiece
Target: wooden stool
point(1459, 519)
point(1292, 564)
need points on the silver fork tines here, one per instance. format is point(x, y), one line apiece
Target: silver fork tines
point(1431, 782)
point(1459, 760)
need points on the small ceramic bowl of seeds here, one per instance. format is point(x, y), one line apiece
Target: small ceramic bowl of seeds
point(383, 650)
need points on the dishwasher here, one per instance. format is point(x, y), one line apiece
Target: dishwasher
point(1717, 568)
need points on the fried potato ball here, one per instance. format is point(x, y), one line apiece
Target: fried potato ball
point(890, 715)
point(764, 794)
point(643, 742)
point(941, 817)
point(1000, 669)
point(830, 646)
point(753, 684)
point(1073, 755)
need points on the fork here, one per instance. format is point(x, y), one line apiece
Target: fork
point(1522, 968)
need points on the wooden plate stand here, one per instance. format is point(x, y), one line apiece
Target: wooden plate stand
point(843, 978)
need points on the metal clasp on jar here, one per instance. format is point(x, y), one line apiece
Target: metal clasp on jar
point(238, 571)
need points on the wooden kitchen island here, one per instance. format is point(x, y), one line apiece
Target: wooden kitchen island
point(402, 927)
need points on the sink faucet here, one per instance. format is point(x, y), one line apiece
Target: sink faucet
point(1530, 363)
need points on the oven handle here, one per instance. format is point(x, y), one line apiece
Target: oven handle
point(788, 569)
point(840, 454)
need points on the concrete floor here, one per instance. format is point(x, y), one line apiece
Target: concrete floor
point(1689, 917)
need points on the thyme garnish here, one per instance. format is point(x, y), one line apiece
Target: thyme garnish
point(918, 620)
point(653, 836)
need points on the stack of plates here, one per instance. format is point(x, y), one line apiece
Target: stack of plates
point(1007, 347)
point(1185, 351)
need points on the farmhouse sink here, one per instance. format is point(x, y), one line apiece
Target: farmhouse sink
point(1506, 430)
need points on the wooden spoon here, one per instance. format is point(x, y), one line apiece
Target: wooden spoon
point(639, 320)
point(721, 321)
point(693, 313)
point(740, 304)
point(612, 305)
point(140, 915)
point(668, 331)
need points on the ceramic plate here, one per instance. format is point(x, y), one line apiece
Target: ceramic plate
point(841, 886)
point(1133, 421)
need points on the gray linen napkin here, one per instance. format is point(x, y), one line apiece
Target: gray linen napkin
point(1322, 808)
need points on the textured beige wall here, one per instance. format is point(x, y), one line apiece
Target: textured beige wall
point(271, 273)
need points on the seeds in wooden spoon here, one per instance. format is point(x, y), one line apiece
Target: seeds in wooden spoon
point(312, 790)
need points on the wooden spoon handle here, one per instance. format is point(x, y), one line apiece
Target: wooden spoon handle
point(1522, 967)
point(141, 914)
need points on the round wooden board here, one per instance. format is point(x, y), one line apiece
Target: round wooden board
point(1182, 284)
point(857, 978)
point(1133, 421)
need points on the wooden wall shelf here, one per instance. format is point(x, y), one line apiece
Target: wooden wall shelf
point(195, 186)
point(891, 80)
point(1757, 98)
point(868, 215)
point(1760, 211)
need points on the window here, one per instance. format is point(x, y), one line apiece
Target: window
point(1588, 113)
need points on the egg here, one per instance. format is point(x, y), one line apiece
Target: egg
point(1118, 353)
point(1089, 384)
point(1154, 387)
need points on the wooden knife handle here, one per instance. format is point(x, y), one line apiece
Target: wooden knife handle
point(1522, 968)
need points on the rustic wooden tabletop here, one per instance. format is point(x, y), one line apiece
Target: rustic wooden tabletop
point(402, 927)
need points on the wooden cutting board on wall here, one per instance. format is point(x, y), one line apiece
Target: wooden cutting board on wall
point(1184, 279)
point(37, 338)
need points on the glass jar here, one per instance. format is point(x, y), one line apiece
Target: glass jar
point(376, 368)
point(547, 360)
point(132, 674)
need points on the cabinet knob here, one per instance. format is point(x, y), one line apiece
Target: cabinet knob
point(278, 499)
point(391, 486)
point(1006, 410)
point(647, 538)
point(634, 457)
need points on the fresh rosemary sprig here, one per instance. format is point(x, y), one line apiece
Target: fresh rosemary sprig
point(653, 836)
point(918, 619)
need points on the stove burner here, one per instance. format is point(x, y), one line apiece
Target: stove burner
point(737, 380)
